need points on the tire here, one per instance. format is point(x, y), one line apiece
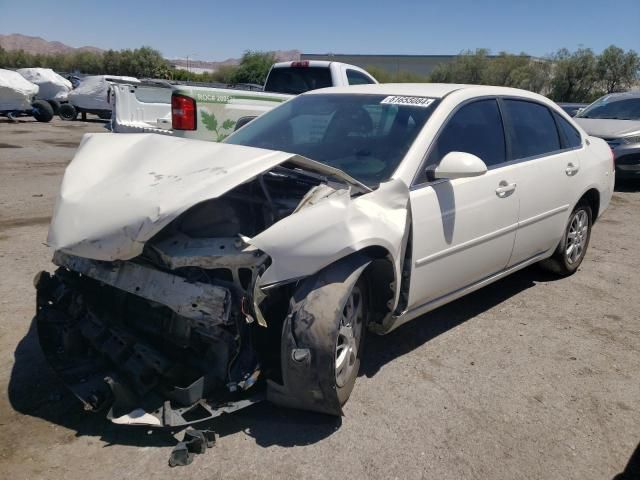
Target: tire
point(327, 317)
point(55, 106)
point(572, 248)
point(42, 111)
point(242, 121)
point(104, 115)
point(67, 112)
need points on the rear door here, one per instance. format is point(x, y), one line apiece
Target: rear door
point(542, 148)
point(463, 229)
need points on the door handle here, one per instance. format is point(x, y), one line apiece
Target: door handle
point(505, 189)
point(571, 169)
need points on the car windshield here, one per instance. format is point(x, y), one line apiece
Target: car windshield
point(613, 108)
point(366, 136)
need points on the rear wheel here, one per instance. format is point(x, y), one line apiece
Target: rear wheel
point(573, 246)
point(42, 111)
point(104, 115)
point(67, 112)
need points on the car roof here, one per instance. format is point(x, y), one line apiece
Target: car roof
point(308, 63)
point(623, 95)
point(433, 90)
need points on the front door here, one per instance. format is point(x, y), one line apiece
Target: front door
point(464, 229)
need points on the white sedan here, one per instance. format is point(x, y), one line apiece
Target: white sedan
point(194, 276)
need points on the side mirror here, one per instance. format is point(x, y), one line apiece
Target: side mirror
point(459, 165)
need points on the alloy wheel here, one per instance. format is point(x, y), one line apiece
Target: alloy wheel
point(351, 324)
point(577, 236)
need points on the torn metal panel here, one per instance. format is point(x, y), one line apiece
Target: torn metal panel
point(197, 301)
point(137, 417)
point(182, 251)
point(321, 233)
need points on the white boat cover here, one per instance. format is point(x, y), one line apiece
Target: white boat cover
point(16, 92)
point(92, 93)
point(52, 86)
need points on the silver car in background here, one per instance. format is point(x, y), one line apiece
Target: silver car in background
point(616, 119)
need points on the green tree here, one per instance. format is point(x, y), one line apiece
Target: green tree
point(468, 67)
point(505, 69)
point(254, 67)
point(574, 75)
point(224, 74)
point(616, 69)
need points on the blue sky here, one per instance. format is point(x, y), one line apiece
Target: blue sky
point(210, 30)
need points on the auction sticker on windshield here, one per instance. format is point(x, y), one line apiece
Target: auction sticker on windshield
point(414, 101)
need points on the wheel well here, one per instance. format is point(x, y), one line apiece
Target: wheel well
point(592, 198)
point(381, 281)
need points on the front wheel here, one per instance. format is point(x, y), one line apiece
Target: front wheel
point(323, 338)
point(573, 246)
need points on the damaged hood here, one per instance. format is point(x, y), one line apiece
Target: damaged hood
point(120, 190)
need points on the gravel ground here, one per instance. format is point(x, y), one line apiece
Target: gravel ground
point(529, 378)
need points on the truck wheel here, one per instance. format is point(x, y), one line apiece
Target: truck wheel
point(67, 112)
point(55, 106)
point(42, 111)
point(105, 115)
point(327, 320)
point(573, 246)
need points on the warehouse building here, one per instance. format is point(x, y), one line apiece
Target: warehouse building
point(416, 64)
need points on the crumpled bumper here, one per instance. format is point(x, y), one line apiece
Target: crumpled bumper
point(113, 369)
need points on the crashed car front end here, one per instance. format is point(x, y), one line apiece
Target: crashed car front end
point(177, 261)
point(148, 345)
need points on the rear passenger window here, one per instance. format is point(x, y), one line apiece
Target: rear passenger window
point(296, 80)
point(475, 128)
point(357, 78)
point(570, 136)
point(532, 130)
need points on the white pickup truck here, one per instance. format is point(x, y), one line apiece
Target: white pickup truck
point(212, 114)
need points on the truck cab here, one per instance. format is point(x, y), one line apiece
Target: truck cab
point(298, 77)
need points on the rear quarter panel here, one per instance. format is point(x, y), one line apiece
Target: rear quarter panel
point(597, 168)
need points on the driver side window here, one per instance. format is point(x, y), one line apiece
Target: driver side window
point(475, 128)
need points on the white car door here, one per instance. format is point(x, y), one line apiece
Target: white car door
point(547, 170)
point(463, 229)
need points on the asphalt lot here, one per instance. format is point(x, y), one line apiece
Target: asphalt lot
point(529, 378)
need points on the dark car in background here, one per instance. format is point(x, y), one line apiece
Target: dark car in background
point(572, 109)
point(616, 119)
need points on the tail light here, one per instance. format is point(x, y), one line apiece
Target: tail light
point(303, 63)
point(183, 112)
